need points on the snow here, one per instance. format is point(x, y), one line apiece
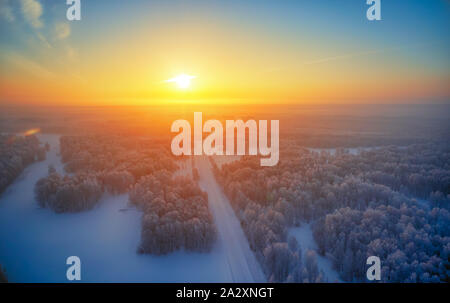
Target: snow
point(242, 263)
point(305, 239)
point(35, 242)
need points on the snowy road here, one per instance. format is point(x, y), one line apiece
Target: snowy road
point(242, 263)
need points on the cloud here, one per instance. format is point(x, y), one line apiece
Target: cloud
point(28, 66)
point(32, 12)
point(346, 56)
point(367, 53)
point(43, 40)
point(6, 11)
point(61, 30)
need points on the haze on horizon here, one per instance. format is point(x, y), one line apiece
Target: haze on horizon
point(303, 52)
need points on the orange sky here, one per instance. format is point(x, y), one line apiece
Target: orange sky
point(62, 63)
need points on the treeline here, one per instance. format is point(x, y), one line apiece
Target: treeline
point(137, 156)
point(64, 194)
point(319, 187)
point(283, 262)
point(16, 153)
point(98, 164)
point(176, 214)
point(354, 140)
point(421, 171)
point(116, 162)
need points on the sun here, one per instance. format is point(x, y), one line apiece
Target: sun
point(182, 81)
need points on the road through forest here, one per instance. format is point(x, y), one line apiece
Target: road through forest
point(242, 263)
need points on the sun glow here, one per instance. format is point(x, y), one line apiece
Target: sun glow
point(182, 81)
point(31, 132)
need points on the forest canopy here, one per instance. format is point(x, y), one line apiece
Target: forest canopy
point(175, 210)
point(16, 153)
point(392, 202)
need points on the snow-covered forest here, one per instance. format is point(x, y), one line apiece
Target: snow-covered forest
point(66, 193)
point(391, 202)
point(97, 164)
point(106, 156)
point(16, 153)
point(175, 210)
point(176, 214)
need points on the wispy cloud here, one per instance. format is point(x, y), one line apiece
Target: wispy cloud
point(27, 65)
point(32, 12)
point(43, 40)
point(6, 11)
point(61, 30)
point(365, 53)
point(351, 56)
point(345, 56)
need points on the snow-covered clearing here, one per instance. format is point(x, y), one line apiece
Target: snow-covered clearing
point(242, 263)
point(305, 239)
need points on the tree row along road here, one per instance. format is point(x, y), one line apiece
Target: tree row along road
point(242, 263)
